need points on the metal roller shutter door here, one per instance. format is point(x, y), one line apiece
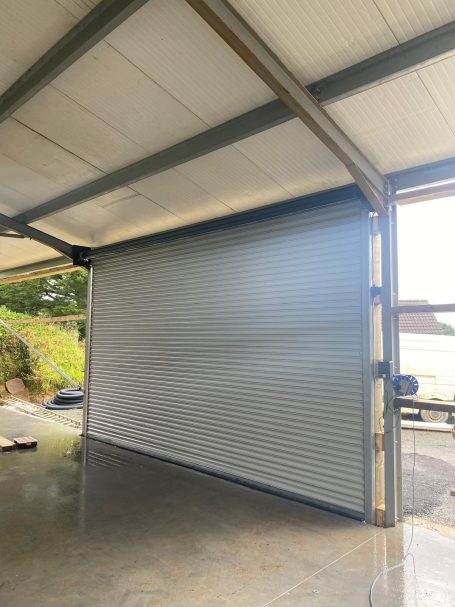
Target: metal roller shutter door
point(241, 351)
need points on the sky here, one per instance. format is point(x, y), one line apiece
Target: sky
point(426, 252)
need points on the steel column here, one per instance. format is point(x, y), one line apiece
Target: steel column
point(368, 366)
point(396, 357)
point(88, 332)
point(387, 353)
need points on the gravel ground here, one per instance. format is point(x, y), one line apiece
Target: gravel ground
point(434, 477)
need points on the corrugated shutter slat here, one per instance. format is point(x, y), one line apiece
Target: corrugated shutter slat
point(239, 351)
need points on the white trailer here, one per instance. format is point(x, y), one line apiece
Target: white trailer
point(431, 359)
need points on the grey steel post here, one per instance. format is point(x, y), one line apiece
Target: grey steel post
point(387, 346)
point(88, 333)
point(396, 359)
point(368, 365)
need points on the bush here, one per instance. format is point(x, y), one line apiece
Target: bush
point(58, 342)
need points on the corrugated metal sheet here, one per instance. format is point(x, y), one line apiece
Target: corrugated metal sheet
point(15, 252)
point(295, 159)
point(113, 217)
point(439, 79)
point(233, 179)
point(240, 351)
point(181, 196)
point(408, 19)
point(78, 130)
point(397, 125)
point(315, 39)
point(28, 29)
point(170, 43)
point(108, 85)
point(33, 169)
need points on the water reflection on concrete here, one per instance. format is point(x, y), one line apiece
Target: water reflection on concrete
point(89, 524)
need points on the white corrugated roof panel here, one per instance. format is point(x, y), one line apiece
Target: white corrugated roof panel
point(315, 39)
point(15, 252)
point(410, 18)
point(76, 129)
point(295, 159)
point(397, 125)
point(181, 196)
point(34, 169)
point(113, 89)
point(116, 216)
point(232, 178)
point(170, 43)
point(29, 28)
point(439, 79)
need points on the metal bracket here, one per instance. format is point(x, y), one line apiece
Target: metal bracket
point(78, 256)
point(375, 291)
point(384, 369)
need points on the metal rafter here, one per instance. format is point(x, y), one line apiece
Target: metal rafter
point(104, 18)
point(248, 46)
point(59, 245)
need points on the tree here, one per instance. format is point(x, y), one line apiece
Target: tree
point(51, 296)
point(447, 329)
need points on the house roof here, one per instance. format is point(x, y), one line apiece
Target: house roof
point(419, 322)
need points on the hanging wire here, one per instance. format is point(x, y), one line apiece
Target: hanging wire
point(407, 553)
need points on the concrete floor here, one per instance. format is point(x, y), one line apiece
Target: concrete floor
point(126, 530)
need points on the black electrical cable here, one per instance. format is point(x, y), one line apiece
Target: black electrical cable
point(68, 398)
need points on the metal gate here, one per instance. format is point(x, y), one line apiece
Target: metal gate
point(244, 351)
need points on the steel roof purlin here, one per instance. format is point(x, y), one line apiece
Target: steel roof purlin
point(414, 54)
point(101, 20)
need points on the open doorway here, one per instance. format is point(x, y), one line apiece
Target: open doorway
point(426, 258)
point(42, 344)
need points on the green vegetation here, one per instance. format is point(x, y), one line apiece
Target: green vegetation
point(51, 296)
point(447, 329)
point(62, 343)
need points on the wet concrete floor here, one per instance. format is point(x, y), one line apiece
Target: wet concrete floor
point(434, 476)
point(125, 530)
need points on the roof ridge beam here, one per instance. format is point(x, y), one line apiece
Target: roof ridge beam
point(245, 42)
point(95, 26)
